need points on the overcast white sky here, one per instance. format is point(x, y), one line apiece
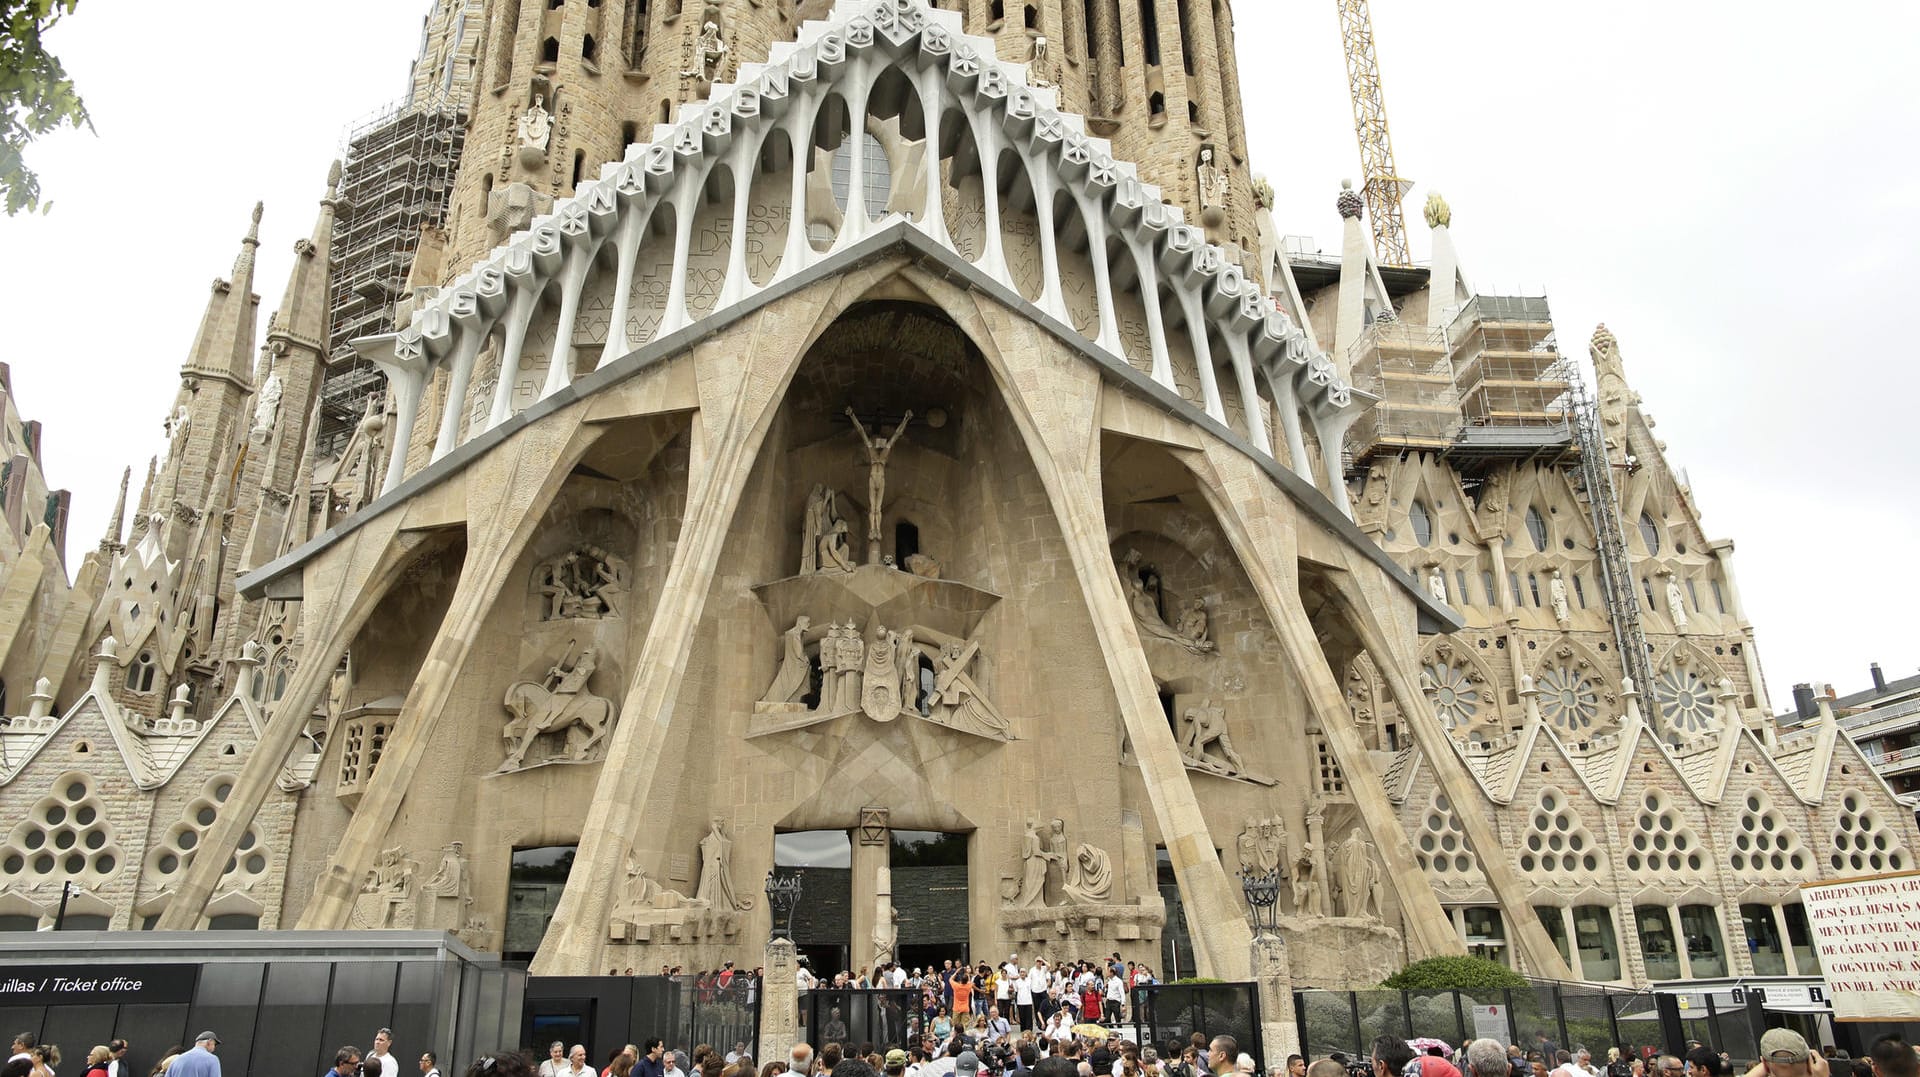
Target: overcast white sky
point(1733, 188)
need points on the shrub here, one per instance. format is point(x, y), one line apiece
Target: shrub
point(1454, 974)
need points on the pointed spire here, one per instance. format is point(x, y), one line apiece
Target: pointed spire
point(224, 346)
point(110, 542)
point(1448, 290)
point(243, 262)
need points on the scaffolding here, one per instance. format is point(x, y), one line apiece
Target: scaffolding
point(1491, 387)
point(1593, 482)
point(397, 173)
point(1408, 368)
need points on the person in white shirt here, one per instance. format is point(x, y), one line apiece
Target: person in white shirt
point(429, 1064)
point(382, 1056)
point(117, 1061)
point(555, 1063)
point(1023, 1001)
point(1116, 997)
point(899, 976)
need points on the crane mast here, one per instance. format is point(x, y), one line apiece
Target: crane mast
point(1384, 188)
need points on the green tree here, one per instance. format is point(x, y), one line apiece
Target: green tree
point(36, 95)
point(1454, 973)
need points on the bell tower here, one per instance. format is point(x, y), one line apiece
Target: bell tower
point(564, 86)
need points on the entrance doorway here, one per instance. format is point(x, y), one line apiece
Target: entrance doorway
point(823, 920)
point(930, 896)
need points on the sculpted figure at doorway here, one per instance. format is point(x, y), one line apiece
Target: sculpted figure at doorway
point(877, 453)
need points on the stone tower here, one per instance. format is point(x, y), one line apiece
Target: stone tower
point(564, 86)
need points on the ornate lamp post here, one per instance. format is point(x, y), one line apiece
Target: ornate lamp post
point(783, 894)
point(1263, 900)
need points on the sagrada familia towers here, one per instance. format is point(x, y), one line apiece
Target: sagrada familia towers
point(892, 417)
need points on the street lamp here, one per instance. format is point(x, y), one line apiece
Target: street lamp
point(783, 893)
point(1263, 900)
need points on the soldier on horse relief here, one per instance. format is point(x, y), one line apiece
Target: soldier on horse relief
point(559, 702)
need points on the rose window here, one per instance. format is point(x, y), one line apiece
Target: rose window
point(1686, 702)
point(1568, 699)
point(1455, 698)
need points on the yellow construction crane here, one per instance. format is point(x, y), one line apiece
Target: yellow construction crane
point(1384, 188)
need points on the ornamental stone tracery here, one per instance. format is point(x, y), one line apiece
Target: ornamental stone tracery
point(1569, 698)
point(1766, 845)
point(1862, 841)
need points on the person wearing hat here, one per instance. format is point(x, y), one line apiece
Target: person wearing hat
point(1784, 1053)
point(199, 1062)
point(896, 1062)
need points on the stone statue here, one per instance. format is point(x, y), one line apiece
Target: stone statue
point(1204, 727)
point(1213, 186)
point(877, 453)
point(958, 698)
point(535, 127)
point(450, 878)
point(1676, 604)
point(177, 429)
point(1058, 867)
point(880, 683)
point(266, 405)
point(1359, 877)
point(923, 566)
point(1493, 505)
point(356, 477)
point(1437, 582)
point(836, 554)
point(1089, 877)
point(1034, 859)
point(709, 53)
point(1557, 597)
point(1037, 66)
point(1306, 883)
point(1263, 846)
point(1193, 623)
point(559, 702)
point(1439, 214)
point(716, 871)
point(1146, 610)
point(794, 677)
point(851, 653)
point(813, 526)
point(386, 894)
point(640, 893)
point(586, 583)
point(906, 660)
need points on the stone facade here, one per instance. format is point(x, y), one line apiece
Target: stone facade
point(702, 506)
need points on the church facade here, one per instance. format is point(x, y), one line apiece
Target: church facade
point(876, 439)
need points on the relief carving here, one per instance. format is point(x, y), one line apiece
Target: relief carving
point(558, 704)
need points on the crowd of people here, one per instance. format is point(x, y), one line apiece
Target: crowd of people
point(1784, 1053)
point(959, 999)
point(34, 1059)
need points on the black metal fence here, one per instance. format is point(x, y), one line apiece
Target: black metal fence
point(1545, 1015)
point(1166, 1015)
point(886, 1019)
point(604, 1012)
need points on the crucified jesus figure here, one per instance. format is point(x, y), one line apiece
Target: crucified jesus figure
point(877, 454)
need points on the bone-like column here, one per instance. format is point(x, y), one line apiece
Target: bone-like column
point(1095, 219)
point(686, 203)
point(1330, 427)
point(800, 118)
point(626, 245)
point(526, 299)
point(572, 278)
point(741, 160)
point(1202, 353)
point(933, 97)
point(1040, 175)
point(986, 140)
point(1283, 376)
point(854, 224)
point(1250, 403)
point(466, 350)
point(1149, 288)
